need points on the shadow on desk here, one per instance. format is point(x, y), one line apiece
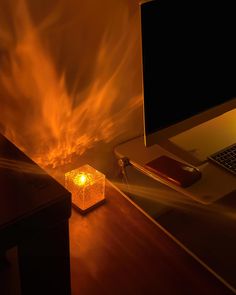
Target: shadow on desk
point(209, 232)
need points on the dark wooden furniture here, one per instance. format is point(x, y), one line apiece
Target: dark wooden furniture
point(117, 249)
point(34, 213)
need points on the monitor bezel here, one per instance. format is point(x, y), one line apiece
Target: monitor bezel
point(161, 135)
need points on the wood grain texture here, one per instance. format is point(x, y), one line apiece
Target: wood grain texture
point(116, 249)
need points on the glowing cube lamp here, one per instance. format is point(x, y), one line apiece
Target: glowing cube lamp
point(87, 186)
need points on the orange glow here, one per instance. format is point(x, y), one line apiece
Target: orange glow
point(81, 179)
point(57, 104)
point(87, 186)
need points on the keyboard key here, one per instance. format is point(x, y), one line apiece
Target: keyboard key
point(226, 158)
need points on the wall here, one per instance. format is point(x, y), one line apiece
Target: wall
point(86, 55)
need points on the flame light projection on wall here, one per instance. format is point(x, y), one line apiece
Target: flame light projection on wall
point(75, 65)
point(87, 186)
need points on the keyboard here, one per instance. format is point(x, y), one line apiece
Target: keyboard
point(226, 158)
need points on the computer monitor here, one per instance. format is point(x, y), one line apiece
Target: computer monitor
point(189, 64)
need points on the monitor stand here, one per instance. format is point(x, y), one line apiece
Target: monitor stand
point(216, 133)
point(196, 144)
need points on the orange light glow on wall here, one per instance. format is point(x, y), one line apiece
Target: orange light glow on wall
point(87, 186)
point(65, 81)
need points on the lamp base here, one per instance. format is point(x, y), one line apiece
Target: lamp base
point(90, 208)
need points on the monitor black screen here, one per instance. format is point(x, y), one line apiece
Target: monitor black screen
point(189, 58)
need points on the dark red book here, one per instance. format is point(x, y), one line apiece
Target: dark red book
point(177, 172)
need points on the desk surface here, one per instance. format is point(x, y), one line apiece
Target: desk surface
point(117, 249)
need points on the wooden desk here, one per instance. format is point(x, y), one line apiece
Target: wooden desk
point(34, 213)
point(117, 249)
point(206, 226)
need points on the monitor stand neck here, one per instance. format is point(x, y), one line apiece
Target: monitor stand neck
point(180, 152)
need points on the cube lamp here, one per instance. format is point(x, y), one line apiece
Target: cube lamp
point(87, 186)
